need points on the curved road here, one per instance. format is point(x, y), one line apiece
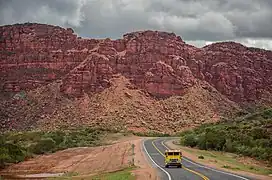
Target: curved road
point(154, 148)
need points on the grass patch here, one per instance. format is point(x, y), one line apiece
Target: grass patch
point(221, 159)
point(18, 146)
point(118, 175)
point(150, 134)
point(124, 174)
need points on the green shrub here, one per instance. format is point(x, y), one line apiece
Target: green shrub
point(186, 132)
point(249, 136)
point(244, 150)
point(201, 143)
point(43, 146)
point(4, 156)
point(258, 133)
point(229, 146)
point(16, 152)
point(267, 114)
point(68, 142)
point(57, 136)
point(11, 153)
point(211, 140)
point(190, 140)
point(25, 136)
point(90, 130)
point(264, 143)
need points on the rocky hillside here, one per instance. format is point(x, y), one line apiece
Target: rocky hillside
point(147, 80)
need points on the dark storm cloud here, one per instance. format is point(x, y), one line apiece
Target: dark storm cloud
point(195, 20)
point(57, 12)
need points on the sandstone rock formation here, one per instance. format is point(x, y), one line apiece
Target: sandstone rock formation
point(159, 63)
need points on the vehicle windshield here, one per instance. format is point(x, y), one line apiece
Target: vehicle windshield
point(173, 153)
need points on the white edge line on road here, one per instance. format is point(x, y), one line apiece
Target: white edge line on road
point(209, 167)
point(169, 177)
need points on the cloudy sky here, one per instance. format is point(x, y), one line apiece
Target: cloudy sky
point(198, 22)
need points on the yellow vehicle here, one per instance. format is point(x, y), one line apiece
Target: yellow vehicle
point(173, 158)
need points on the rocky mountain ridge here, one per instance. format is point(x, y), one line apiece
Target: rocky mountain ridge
point(159, 63)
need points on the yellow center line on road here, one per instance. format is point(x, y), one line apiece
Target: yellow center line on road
point(192, 171)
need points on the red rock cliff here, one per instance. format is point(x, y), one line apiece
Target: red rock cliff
point(161, 63)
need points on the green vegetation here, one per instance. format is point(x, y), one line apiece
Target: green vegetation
point(250, 136)
point(119, 175)
point(151, 134)
point(68, 175)
point(227, 160)
point(18, 146)
point(124, 174)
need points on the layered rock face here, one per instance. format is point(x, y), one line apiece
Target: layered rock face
point(35, 54)
point(154, 61)
point(158, 62)
point(239, 72)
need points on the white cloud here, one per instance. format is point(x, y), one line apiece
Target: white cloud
point(20, 12)
point(260, 43)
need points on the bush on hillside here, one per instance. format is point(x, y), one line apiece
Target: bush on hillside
point(211, 140)
point(190, 140)
point(57, 136)
point(11, 153)
point(249, 137)
point(267, 114)
point(43, 146)
point(258, 133)
point(229, 146)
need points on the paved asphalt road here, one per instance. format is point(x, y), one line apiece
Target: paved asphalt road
point(191, 170)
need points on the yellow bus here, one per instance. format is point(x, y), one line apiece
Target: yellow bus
point(173, 158)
